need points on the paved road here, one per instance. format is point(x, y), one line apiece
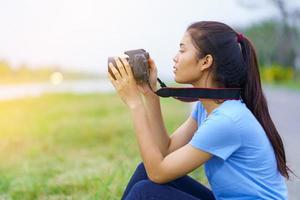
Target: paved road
point(284, 107)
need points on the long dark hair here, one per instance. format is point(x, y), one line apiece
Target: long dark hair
point(235, 65)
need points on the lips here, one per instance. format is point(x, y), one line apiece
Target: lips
point(174, 70)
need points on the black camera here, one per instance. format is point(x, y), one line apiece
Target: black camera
point(138, 61)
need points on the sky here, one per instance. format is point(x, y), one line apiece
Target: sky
point(81, 34)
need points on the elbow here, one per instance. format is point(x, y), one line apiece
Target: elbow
point(157, 177)
point(156, 172)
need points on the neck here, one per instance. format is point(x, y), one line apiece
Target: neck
point(209, 104)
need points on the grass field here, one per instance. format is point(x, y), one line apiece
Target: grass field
point(71, 146)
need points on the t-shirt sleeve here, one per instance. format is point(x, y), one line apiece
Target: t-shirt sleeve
point(198, 112)
point(194, 113)
point(217, 136)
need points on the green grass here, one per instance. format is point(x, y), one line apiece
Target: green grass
point(71, 146)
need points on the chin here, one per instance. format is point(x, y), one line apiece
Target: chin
point(176, 79)
point(180, 81)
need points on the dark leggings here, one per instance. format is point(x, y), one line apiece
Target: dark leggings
point(184, 188)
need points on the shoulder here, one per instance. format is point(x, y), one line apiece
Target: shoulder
point(219, 135)
point(235, 110)
point(218, 121)
point(227, 119)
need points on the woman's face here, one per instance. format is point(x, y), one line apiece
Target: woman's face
point(186, 67)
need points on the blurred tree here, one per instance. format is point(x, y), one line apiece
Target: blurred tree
point(287, 53)
point(263, 35)
point(277, 40)
point(266, 36)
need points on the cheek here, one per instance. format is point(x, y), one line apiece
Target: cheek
point(186, 67)
point(186, 73)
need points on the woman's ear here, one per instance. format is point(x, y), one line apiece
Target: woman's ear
point(206, 62)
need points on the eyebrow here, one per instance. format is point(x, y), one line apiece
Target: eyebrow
point(181, 44)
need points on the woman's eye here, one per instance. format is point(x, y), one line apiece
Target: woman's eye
point(181, 51)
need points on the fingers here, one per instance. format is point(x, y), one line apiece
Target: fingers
point(114, 71)
point(127, 67)
point(120, 67)
point(112, 80)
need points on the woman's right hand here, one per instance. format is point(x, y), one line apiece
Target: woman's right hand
point(145, 89)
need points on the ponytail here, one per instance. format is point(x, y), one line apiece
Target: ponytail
point(255, 100)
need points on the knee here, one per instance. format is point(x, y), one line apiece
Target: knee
point(142, 189)
point(144, 185)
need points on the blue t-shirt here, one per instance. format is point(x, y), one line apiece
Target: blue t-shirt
point(243, 165)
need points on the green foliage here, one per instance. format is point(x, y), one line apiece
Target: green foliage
point(263, 36)
point(274, 43)
point(71, 146)
point(277, 74)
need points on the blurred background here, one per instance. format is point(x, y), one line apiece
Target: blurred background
point(64, 134)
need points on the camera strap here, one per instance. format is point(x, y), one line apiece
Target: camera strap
point(191, 94)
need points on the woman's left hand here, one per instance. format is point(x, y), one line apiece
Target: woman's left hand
point(125, 83)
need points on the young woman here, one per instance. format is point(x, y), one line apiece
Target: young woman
point(236, 139)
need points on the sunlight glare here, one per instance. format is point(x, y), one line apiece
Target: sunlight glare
point(56, 78)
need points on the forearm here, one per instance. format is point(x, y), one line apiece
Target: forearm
point(156, 122)
point(149, 149)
